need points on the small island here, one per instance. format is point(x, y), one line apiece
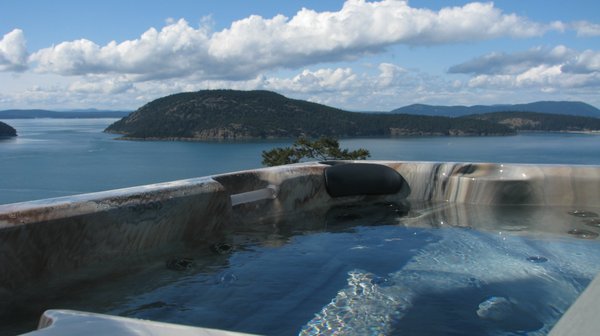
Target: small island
point(541, 122)
point(244, 115)
point(7, 131)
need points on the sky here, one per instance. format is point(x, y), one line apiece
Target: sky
point(356, 55)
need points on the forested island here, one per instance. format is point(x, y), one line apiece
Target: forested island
point(240, 115)
point(7, 130)
point(532, 121)
point(244, 115)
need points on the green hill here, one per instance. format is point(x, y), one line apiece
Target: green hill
point(229, 114)
point(531, 121)
point(7, 130)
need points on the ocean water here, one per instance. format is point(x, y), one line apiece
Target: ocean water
point(60, 157)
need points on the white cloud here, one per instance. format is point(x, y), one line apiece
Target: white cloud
point(13, 51)
point(256, 44)
point(543, 80)
point(95, 84)
point(542, 74)
point(515, 63)
point(320, 80)
point(171, 52)
point(541, 69)
point(542, 77)
point(389, 74)
point(388, 88)
point(381, 87)
point(339, 87)
point(585, 29)
point(586, 62)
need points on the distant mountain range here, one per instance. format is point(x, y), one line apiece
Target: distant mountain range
point(550, 107)
point(89, 113)
point(231, 114)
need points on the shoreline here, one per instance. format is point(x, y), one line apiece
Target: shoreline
point(590, 132)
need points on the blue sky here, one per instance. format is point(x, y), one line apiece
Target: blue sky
point(357, 55)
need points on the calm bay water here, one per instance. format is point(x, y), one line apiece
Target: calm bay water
point(59, 157)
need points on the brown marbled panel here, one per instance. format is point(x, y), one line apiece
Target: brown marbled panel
point(296, 188)
point(487, 183)
point(300, 187)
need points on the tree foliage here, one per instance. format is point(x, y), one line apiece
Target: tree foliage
point(533, 121)
point(323, 149)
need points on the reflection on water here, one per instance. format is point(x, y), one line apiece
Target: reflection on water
point(390, 268)
point(469, 282)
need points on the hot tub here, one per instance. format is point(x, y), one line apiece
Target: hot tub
point(467, 248)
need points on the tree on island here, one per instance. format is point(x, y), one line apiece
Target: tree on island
point(325, 148)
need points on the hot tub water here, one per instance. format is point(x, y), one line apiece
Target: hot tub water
point(368, 270)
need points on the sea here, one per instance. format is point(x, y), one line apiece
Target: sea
point(61, 157)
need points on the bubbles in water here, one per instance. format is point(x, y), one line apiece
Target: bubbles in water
point(583, 213)
point(537, 259)
point(364, 307)
point(583, 234)
point(495, 308)
point(506, 315)
point(227, 278)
